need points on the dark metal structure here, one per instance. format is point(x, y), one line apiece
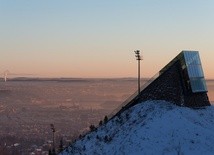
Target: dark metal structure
point(192, 71)
point(180, 82)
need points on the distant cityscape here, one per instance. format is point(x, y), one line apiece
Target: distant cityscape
point(28, 107)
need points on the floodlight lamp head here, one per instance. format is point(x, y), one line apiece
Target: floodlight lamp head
point(137, 52)
point(52, 127)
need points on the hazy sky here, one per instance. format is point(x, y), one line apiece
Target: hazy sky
point(96, 38)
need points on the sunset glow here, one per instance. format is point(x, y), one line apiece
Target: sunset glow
point(97, 38)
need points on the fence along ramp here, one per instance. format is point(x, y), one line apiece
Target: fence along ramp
point(126, 104)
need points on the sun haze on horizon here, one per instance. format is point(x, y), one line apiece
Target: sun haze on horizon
point(97, 38)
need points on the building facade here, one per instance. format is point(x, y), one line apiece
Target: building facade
point(181, 82)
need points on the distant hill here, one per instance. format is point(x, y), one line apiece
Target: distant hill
point(152, 127)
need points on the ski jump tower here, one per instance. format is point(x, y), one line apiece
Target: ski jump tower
point(181, 82)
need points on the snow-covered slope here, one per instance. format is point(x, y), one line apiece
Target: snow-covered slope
point(152, 127)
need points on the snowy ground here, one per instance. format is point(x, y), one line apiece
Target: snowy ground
point(152, 127)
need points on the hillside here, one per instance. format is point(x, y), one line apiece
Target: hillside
point(152, 127)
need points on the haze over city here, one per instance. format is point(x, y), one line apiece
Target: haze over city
point(97, 38)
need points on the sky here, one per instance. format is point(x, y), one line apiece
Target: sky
point(97, 38)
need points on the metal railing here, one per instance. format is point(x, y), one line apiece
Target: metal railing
point(123, 105)
point(132, 97)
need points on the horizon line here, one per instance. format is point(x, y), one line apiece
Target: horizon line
point(25, 77)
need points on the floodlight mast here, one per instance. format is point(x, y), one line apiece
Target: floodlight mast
point(138, 58)
point(53, 130)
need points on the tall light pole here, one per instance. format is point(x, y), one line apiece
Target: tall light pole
point(53, 130)
point(138, 58)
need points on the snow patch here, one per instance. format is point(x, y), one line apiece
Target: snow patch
point(151, 127)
